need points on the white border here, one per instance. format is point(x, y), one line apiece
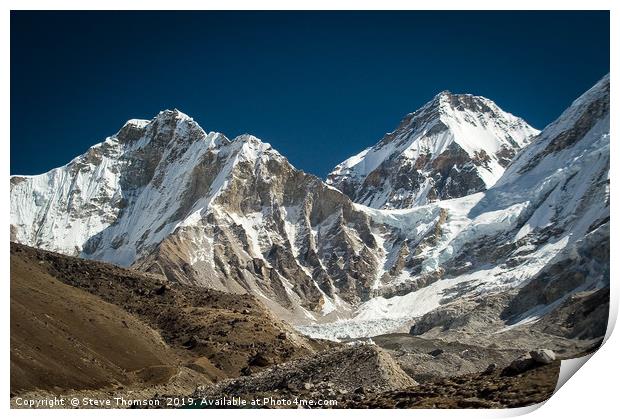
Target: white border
point(310, 5)
point(592, 394)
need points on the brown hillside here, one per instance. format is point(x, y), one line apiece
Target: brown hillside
point(63, 337)
point(82, 324)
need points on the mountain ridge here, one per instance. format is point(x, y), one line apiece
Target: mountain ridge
point(167, 198)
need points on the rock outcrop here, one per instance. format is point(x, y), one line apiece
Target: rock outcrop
point(357, 368)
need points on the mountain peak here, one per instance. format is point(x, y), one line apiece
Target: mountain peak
point(443, 94)
point(448, 102)
point(466, 101)
point(174, 114)
point(135, 128)
point(252, 148)
point(250, 139)
point(454, 145)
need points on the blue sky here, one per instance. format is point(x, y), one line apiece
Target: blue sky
point(318, 86)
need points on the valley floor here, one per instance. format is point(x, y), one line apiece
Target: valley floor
point(106, 336)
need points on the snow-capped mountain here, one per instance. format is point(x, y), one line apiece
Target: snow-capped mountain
point(165, 197)
point(168, 198)
point(534, 240)
point(453, 146)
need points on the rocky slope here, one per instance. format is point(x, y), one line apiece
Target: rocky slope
point(365, 376)
point(79, 324)
point(472, 391)
point(337, 371)
point(52, 341)
point(453, 146)
point(84, 329)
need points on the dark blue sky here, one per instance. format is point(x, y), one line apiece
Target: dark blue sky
point(319, 86)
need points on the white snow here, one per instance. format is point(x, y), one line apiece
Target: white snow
point(557, 191)
point(473, 131)
point(86, 208)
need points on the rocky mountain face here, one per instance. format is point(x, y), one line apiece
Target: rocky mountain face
point(513, 256)
point(454, 146)
point(167, 198)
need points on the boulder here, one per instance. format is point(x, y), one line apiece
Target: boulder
point(436, 352)
point(543, 356)
point(522, 364)
point(492, 367)
point(529, 361)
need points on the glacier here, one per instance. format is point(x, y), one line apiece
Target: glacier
point(467, 201)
